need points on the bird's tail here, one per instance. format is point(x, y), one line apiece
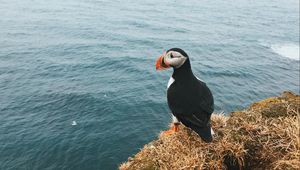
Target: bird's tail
point(205, 133)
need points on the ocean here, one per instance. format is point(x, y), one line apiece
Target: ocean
point(78, 84)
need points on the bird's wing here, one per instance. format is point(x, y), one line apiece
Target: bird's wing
point(205, 98)
point(192, 98)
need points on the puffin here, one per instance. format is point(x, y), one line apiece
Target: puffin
point(189, 99)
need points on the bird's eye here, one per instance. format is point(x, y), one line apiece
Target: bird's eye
point(171, 55)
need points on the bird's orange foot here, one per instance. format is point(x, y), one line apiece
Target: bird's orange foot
point(172, 130)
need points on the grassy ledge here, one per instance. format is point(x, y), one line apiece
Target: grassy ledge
point(264, 136)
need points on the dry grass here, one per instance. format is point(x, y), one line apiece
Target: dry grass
point(265, 136)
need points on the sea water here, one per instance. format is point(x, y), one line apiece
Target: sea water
point(78, 86)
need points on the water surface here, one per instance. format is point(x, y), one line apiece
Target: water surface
point(93, 62)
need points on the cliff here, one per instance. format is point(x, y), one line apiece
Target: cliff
point(264, 136)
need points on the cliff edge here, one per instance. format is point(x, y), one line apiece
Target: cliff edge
point(264, 136)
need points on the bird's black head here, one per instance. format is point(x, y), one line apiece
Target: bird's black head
point(174, 57)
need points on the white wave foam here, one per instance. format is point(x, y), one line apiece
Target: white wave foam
point(287, 50)
point(74, 123)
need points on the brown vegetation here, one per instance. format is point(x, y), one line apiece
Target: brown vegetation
point(264, 136)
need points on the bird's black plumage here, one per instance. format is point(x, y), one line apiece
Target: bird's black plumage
point(190, 100)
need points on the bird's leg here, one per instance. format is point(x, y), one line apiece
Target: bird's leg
point(174, 128)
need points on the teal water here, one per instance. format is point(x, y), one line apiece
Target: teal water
point(93, 62)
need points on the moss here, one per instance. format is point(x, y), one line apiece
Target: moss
point(278, 106)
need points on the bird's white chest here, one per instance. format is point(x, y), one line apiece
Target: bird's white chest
point(171, 81)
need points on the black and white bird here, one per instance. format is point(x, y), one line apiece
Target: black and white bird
point(189, 99)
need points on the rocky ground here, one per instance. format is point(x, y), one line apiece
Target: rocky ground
point(264, 136)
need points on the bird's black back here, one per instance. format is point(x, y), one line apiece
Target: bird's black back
point(190, 96)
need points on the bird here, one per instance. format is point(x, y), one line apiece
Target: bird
point(189, 98)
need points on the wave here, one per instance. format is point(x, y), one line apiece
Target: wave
point(287, 50)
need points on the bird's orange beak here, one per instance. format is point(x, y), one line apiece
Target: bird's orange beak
point(161, 64)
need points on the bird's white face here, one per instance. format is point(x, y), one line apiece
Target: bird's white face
point(170, 59)
point(175, 59)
